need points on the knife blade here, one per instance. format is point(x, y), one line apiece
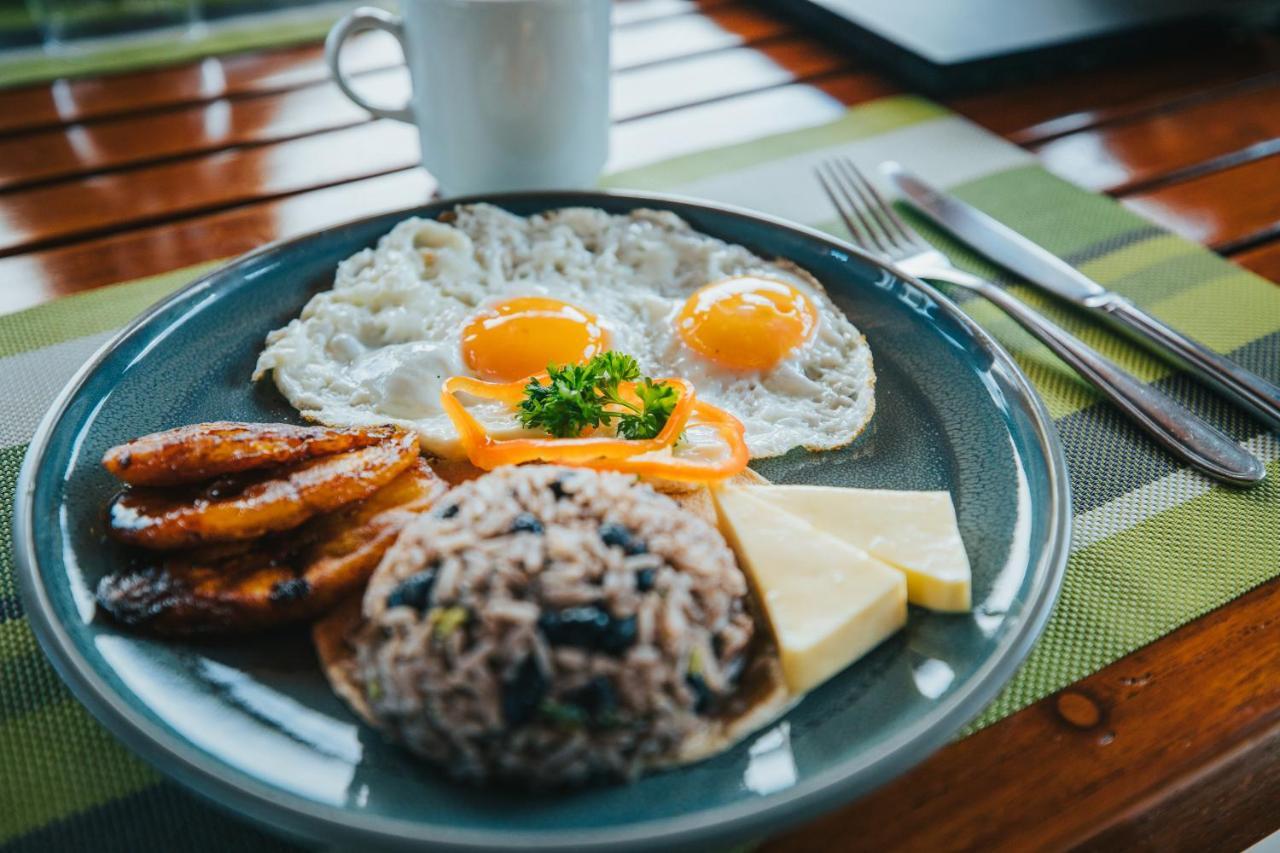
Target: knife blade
point(1047, 271)
point(996, 240)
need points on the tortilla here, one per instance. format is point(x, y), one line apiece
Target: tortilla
point(333, 637)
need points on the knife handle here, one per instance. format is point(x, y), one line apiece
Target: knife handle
point(1180, 431)
point(1244, 387)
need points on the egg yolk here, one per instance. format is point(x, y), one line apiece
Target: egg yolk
point(520, 337)
point(746, 322)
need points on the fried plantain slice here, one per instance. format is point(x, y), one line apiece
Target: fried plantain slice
point(192, 454)
point(284, 578)
point(237, 509)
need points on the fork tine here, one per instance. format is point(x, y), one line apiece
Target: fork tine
point(849, 224)
point(852, 187)
point(861, 186)
point(888, 218)
point(865, 232)
point(848, 212)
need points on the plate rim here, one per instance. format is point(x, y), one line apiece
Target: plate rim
point(247, 796)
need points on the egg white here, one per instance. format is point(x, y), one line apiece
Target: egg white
point(376, 348)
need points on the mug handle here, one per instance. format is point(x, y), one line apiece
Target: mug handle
point(363, 19)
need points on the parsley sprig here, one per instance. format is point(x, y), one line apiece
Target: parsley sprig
point(579, 396)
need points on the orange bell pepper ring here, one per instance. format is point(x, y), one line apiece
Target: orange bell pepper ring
point(639, 456)
point(670, 467)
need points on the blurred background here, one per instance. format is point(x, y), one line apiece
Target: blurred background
point(60, 25)
point(938, 46)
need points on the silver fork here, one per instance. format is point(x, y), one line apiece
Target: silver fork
point(876, 227)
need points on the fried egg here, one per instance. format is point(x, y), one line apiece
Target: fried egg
point(496, 296)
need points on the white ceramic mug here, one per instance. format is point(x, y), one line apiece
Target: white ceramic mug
point(507, 94)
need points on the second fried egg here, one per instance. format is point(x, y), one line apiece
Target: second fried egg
point(499, 297)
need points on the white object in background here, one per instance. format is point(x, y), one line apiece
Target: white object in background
point(507, 94)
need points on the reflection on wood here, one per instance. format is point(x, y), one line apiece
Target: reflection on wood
point(274, 71)
point(1225, 210)
point(28, 278)
point(148, 137)
point(1119, 157)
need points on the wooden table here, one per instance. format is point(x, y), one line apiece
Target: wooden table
point(1175, 747)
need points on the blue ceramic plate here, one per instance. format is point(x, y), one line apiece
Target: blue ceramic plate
point(252, 723)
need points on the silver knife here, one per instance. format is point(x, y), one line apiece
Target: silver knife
point(1049, 272)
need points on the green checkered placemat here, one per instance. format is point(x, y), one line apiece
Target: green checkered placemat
point(1154, 544)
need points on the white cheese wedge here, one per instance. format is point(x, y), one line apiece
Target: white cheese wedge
point(912, 531)
point(828, 602)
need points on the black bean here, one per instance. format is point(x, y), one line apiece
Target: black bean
point(575, 626)
point(596, 697)
point(645, 579)
point(621, 635)
point(557, 489)
point(448, 511)
point(415, 590)
point(619, 536)
point(526, 522)
point(523, 693)
point(293, 589)
point(701, 693)
point(590, 627)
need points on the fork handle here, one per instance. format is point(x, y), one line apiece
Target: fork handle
point(1249, 389)
point(1184, 434)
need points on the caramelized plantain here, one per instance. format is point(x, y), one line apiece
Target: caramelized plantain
point(253, 505)
point(280, 579)
point(198, 452)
